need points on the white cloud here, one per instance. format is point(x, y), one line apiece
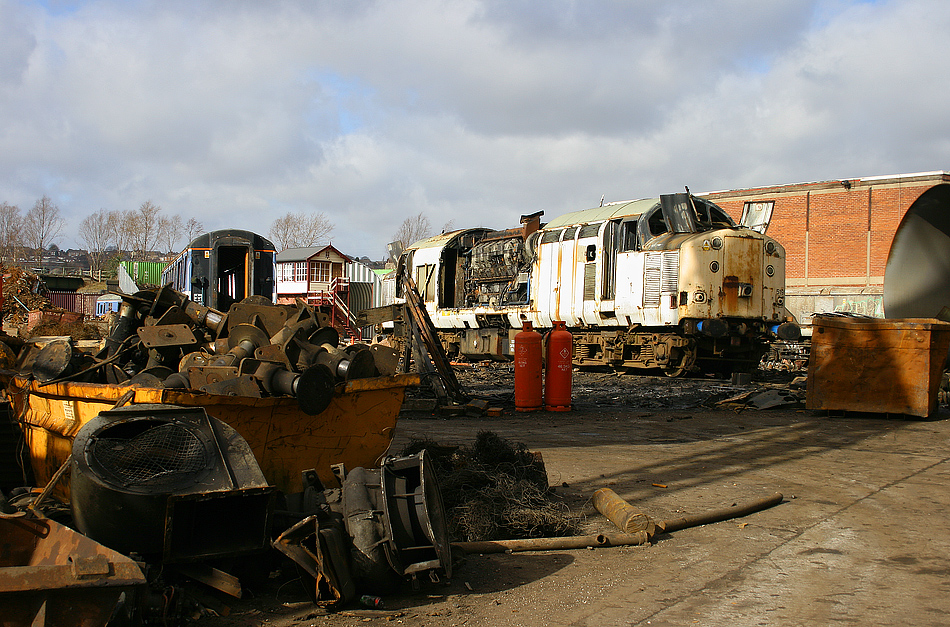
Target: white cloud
point(471, 111)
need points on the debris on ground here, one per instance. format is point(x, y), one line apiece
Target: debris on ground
point(23, 291)
point(76, 330)
point(496, 490)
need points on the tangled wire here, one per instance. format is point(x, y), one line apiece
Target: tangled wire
point(495, 490)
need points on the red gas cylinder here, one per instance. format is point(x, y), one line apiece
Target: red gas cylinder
point(528, 369)
point(557, 377)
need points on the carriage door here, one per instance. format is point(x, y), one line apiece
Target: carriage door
point(232, 276)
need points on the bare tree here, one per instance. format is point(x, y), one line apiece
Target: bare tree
point(413, 229)
point(193, 229)
point(122, 227)
point(95, 233)
point(168, 232)
point(299, 229)
point(10, 224)
point(146, 227)
point(42, 225)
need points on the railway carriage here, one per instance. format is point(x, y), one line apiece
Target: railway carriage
point(222, 267)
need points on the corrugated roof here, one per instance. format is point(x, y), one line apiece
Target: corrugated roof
point(607, 212)
point(361, 273)
point(298, 254)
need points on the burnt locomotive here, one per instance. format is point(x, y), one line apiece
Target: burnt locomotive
point(671, 283)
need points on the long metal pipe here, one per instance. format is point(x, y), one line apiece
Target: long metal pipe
point(617, 539)
point(547, 544)
point(717, 515)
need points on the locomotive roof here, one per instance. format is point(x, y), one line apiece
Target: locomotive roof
point(607, 212)
point(437, 241)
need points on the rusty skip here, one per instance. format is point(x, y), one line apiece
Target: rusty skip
point(52, 575)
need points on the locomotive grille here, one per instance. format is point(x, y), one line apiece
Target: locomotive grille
point(590, 281)
point(671, 270)
point(160, 455)
point(660, 275)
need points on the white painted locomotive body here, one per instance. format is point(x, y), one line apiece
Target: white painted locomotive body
point(668, 283)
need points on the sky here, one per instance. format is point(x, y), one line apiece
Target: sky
point(471, 112)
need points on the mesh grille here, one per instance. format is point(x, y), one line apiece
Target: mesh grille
point(163, 454)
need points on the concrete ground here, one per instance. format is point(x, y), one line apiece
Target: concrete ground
point(860, 538)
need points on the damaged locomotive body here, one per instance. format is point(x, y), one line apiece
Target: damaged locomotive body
point(670, 283)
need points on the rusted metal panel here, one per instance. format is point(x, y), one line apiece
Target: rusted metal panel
point(871, 365)
point(52, 575)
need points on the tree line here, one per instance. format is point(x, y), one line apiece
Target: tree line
point(133, 234)
point(107, 235)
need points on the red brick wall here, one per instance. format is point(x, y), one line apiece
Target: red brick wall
point(835, 219)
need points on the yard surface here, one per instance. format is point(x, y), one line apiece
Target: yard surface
point(860, 538)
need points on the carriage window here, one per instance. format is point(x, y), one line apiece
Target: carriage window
point(628, 235)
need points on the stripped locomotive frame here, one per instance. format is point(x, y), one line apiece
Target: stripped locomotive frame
point(670, 283)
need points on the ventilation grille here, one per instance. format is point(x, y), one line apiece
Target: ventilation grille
point(660, 275)
point(590, 281)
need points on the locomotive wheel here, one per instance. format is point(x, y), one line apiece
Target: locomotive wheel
point(681, 362)
point(674, 371)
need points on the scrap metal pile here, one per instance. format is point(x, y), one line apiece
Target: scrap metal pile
point(495, 490)
point(23, 291)
point(162, 339)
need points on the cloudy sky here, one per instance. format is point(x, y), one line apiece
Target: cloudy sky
point(471, 112)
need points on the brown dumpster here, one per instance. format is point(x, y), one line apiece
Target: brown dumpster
point(874, 365)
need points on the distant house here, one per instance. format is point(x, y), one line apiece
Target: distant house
point(318, 276)
point(311, 273)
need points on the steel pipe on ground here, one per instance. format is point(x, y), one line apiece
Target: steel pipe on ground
point(547, 544)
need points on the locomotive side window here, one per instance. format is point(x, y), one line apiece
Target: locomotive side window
point(551, 236)
point(569, 233)
point(656, 222)
point(425, 282)
point(589, 230)
point(628, 236)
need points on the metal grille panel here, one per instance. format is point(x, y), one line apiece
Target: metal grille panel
point(590, 281)
point(651, 279)
point(162, 454)
point(671, 271)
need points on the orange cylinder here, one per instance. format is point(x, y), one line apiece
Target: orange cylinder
point(528, 369)
point(557, 376)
